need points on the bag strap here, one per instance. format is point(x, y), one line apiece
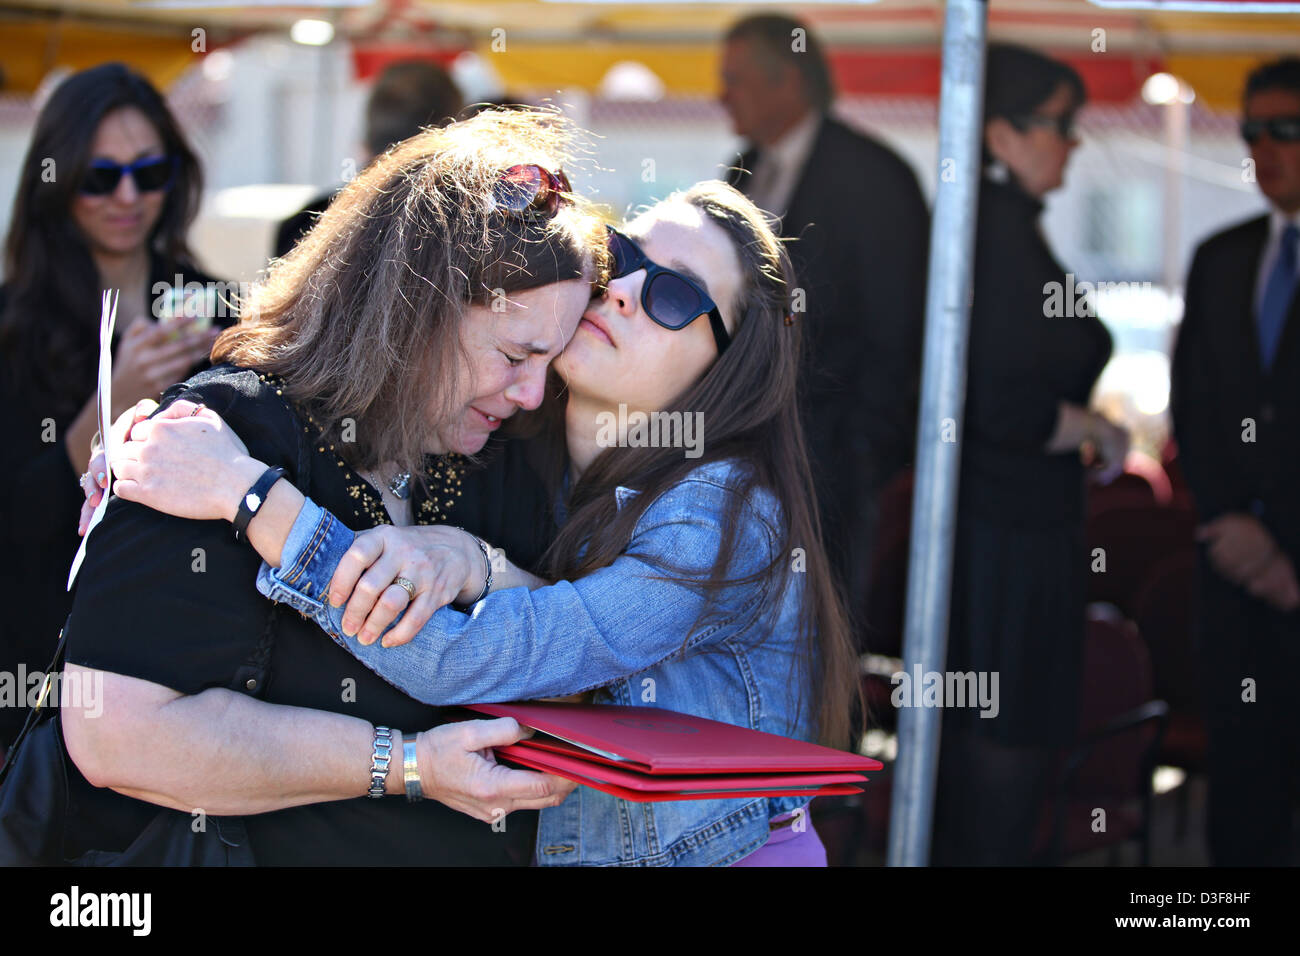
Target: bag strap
point(34, 713)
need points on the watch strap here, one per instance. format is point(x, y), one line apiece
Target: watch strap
point(254, 498)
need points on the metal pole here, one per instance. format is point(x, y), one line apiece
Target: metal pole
point(1177, 127)
point(324, 108)
point(943, 396)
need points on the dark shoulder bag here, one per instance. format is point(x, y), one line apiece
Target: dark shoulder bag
point(36, 800)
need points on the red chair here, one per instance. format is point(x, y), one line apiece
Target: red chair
point(1181, 493)
point(1110, 766)
point(1164, 609)
point(1134, 541)
point(1128, 490)
point(1153, 472)
point(885, 606)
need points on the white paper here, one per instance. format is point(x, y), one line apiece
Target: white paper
point(107, 319)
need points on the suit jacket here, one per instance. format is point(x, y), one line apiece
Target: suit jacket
point(1221, 394)
point(861, 230)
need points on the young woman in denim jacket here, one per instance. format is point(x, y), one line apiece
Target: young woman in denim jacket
point(691, 578)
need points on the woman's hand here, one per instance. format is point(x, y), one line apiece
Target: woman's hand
point(1110, 445)
point(95, 479)
point(459, 769)
point(185, 461)
point(93, 483)
point(442, 564)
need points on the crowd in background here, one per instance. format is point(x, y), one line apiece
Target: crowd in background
point(859, 230)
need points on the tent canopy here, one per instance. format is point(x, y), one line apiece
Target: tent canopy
point(885, 48)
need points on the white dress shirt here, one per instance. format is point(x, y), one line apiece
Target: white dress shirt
point(780, 165)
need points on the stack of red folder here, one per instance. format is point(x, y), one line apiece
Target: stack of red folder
point(647, 754)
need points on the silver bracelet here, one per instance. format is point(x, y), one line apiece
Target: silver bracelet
point(379, 761)
point(411, 769)
point(487, 567)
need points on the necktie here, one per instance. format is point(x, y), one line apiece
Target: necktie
point(1278, 292)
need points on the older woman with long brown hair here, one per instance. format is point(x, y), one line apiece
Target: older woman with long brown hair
point(421, 311)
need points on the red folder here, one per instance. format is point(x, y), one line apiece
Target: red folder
point(646, 788)
point(651, 754)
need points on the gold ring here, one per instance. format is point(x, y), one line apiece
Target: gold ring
point(197, 408)
point(406, 585)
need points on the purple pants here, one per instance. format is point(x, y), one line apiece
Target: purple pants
point(787, 846)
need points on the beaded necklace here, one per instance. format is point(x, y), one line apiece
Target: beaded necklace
point(443, 475)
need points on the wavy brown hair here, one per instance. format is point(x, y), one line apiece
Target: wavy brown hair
point(362, 319)
point(748, 398)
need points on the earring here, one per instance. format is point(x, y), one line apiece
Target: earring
point(998, 171)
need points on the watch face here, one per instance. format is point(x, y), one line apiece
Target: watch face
point(253, 501)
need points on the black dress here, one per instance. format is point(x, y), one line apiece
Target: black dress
point(141, 609)
point(39, 505)
point(1019, 582)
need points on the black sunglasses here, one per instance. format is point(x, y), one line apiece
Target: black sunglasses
point(1063, 124)
point(150, 175)
point(671, 299)
point(1283, 129)
point(530, 191)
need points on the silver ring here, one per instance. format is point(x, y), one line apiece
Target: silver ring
point(406, 585)
point(82, 480)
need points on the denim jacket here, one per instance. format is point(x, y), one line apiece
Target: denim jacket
point(623, 633)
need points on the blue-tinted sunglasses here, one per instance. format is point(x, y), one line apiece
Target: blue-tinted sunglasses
point(669, 298)
point(150, 175)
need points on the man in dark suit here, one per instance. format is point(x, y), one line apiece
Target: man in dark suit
point(1236, 411)
point(860, 229)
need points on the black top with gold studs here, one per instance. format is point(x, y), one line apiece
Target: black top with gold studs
point(173, 601)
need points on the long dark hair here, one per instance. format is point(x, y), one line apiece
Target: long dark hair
point(1018, 80)
point(748, 398)
point(48, 332)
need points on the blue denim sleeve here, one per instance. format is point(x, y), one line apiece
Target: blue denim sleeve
point(316, 543)
point(561, 639)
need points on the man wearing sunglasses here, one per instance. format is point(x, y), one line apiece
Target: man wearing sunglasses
point(861, 227)
point(1236, 412)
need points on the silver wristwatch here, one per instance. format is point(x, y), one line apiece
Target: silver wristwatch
point(379, 761)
